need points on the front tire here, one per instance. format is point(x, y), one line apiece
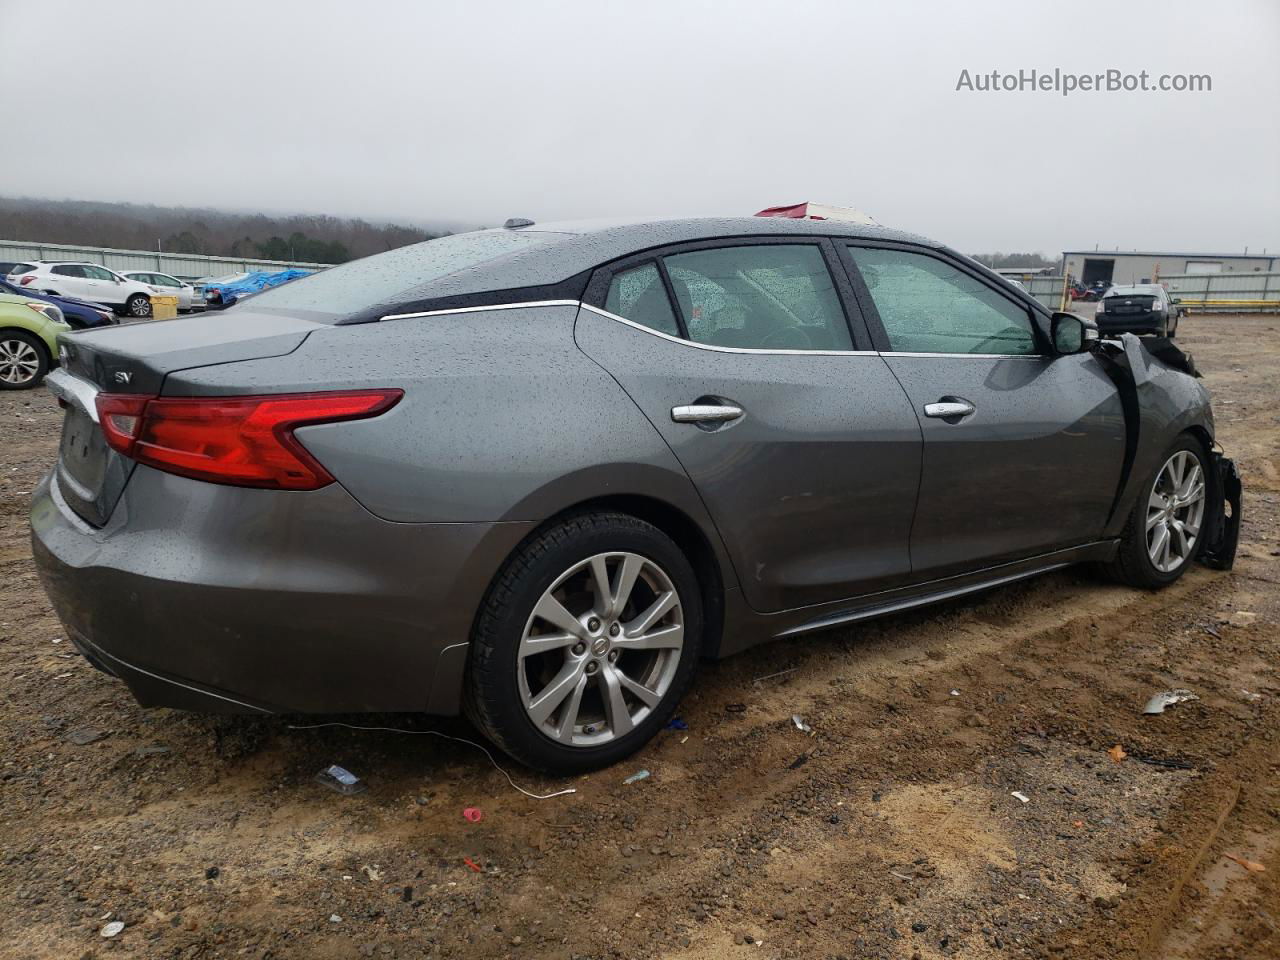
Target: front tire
point(139, 305)
point(24, 360)
point(586, 642)
point(1162, 534)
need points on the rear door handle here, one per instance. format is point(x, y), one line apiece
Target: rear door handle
point(705, 413)
point(949, 408)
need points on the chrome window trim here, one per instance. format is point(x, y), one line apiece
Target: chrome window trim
point(713, 348)
point(491, 306)
point(760, 351)
point(976, 356)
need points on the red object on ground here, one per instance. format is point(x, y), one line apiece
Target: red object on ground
point(473, 814)
point(472, 864)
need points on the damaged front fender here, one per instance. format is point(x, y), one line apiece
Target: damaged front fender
point(1162, 400)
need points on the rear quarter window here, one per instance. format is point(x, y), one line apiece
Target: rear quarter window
point(394, 275)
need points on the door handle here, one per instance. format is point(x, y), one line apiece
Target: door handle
point(949, 408)
point(705, 413)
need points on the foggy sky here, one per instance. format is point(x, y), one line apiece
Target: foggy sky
point(477, 111)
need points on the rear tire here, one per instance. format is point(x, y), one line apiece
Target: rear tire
point(139, 305)
point(574, 663)
point(24, 360)
point(1168, 503)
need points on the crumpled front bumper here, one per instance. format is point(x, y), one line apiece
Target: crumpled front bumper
point(1222, 525)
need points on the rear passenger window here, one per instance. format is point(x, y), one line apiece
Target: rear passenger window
point(760, 296)
point(69, 270)
point(640, 296)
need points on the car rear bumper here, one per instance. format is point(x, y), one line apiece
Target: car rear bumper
point(220, 599)
point(1131, 323)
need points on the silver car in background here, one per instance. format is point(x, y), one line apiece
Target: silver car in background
point(536, 473)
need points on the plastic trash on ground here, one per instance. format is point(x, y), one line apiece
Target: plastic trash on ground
point(340, 780)
point(638, 775)
point(1167, 698)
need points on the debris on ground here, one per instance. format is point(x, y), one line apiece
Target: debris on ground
point(677, 724)
point(473, 814)
point(340, 780)
point(1253, 866)
point(334, 918)
point(472, 864)
point(372, 872)
point(771, 676)
point(638, 775)
point(1167, 698)
point(800, 724)
point(735, 707)
point(798, 762)
point(955, 693)
point(1242, 618)
point(84, 736)
point(1117, 753)
point(113, 929)
point(1019, 795)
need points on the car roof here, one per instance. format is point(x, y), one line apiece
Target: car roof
point(575, 246)
point(1121, 289)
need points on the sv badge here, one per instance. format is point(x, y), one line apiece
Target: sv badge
point(123, 376)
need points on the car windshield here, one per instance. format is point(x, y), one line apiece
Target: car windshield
point(384, 277)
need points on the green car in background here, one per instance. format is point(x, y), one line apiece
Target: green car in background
point(28, 340)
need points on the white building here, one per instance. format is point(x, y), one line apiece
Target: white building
point(1136, 266)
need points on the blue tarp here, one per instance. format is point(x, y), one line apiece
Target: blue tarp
point(253, 283)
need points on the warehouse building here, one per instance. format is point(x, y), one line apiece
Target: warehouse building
point(1133, 266)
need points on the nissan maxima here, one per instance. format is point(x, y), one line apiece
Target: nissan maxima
point(536, 474)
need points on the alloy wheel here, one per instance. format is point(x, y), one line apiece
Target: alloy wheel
point(601, 649)
point(140, 307)
point(1175, 511)
point(19, 361)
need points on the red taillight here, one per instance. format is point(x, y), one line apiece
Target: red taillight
point(26, 278)
point(243, 441)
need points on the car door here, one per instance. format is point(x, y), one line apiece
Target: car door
point(68, 279)
point(103, 286)
point(796, 435)
point(1022, 449)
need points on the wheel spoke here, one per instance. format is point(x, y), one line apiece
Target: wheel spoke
point(553, 611)
point(628, 572)
point(552, 641)
point(1158, 543)
point(1189, 483)
point(1153, 517)
point(544, 704)
point(615, 705)
point(664, 638)
point(600, 583)
point(657, 610)
point(569, 716)
point(1164, 550)
point(644, 694)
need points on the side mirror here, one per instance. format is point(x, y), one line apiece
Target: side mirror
point(1072, 334)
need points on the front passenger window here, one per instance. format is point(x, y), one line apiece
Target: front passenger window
point(929, 306)
point(640, 296)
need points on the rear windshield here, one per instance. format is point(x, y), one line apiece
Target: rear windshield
point(394, 275)
point(1137, 290)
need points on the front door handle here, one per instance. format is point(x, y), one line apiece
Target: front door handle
point(949, 408)
point(705, 413)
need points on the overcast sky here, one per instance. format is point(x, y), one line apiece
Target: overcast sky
point(475, 111)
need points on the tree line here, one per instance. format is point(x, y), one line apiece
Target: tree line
point(318, 239)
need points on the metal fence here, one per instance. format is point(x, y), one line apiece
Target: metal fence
point(1226, 292)
point(1049, 291)
point(188, 266)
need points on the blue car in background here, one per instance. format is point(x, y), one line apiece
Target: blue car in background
point(81, 314)
point(220, 294)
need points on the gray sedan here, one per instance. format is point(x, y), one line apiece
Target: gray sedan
point(537, 473)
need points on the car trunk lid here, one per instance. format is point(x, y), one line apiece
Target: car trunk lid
point(135, 359)
point(1130, 305)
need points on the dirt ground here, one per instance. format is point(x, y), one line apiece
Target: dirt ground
point(891, 831)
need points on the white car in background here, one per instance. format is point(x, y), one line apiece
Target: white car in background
point(87, 281)
point(169, 287)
